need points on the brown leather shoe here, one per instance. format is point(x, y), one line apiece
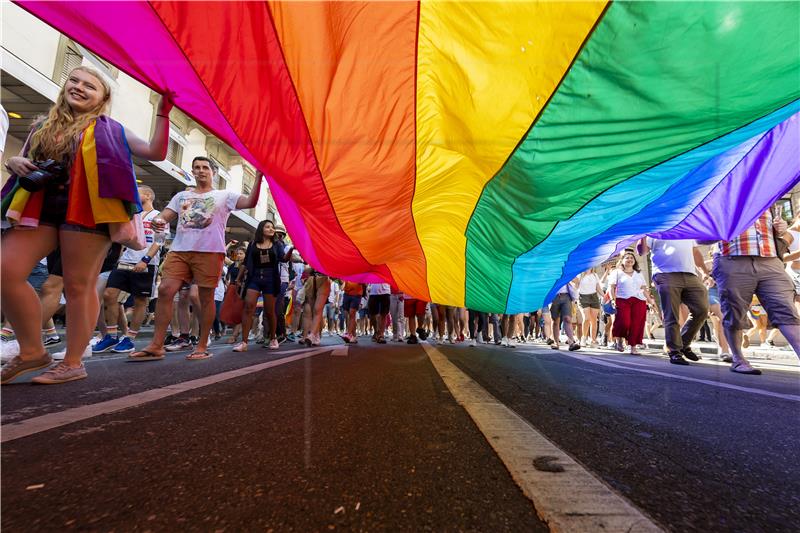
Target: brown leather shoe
point(18, 367)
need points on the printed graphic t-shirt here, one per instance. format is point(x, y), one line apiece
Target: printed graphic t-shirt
point(201, 220)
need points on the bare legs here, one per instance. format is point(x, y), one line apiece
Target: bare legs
point(82, 255)
point(164, 304)
point(22, 249)
point(590, 324)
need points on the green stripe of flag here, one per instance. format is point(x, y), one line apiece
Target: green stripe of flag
point(655, 79)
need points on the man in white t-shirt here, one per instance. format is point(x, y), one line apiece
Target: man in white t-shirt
point(675, 265)
point(561, 312)
point(378, 305)
point(197, 253)
point(136, 275)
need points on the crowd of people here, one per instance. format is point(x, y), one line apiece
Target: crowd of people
point(191, 286)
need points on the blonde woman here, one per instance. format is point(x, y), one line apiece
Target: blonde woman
point(77, 144)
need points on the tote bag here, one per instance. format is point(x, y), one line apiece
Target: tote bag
point(230, 312)
point(129, 234)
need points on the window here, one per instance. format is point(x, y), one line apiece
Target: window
point(221, 178)
point(72, 59)
point(248, 181)
point(174, 152)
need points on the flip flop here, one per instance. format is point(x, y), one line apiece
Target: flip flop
point(148, 356)
point(196, 356)
point(742, 368)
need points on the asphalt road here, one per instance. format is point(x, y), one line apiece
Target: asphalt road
point(373, 440)
point(370, 441)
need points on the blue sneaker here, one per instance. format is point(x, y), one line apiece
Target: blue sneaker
point(124, 345)
point(105, 344)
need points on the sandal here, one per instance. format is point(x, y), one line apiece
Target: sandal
point(145, 355)
point(745, 368)
point(196, 356)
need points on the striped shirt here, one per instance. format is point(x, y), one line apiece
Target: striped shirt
point(756, 240)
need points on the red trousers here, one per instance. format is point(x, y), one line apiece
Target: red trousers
point(629, 320)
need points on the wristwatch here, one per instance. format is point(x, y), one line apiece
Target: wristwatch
point(146, 259)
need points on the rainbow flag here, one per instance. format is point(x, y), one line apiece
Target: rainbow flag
point(102, 183)
point(479, 153)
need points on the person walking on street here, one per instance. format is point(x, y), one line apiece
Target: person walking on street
point(197, 252)
point(675, 266)
point(629, 294)
point(136, 275)
point(561, 312)
point(748, 265)
point(49, 192)
point(262, 278)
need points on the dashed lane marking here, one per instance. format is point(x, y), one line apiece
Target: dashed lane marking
point(566, 495)
point(38, 424)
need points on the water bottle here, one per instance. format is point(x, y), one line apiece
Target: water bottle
point(159, 237)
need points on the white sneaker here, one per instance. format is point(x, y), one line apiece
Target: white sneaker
point(8, 350)
point(60, 355)
point(473, 343)
point(94, 341)
point(504, 341)
point(479, 337)
point(274, 345)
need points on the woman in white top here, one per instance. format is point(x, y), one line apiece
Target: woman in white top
point(630, 295)
point(589, 291)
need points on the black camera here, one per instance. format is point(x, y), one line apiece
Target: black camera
point(49, 171)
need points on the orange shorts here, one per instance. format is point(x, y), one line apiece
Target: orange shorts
point(204, 268)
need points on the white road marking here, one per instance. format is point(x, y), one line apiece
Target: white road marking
point(750, 390)
point(340, 351)
point(566, 495)
point(38, 424)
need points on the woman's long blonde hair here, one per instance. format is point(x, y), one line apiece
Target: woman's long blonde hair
point(60, 130)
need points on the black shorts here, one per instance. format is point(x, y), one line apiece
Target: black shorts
point(54, 267)
point(54, 263)
point(54, 212)
point(590, 300)
point(378, 304)
point(135, 283)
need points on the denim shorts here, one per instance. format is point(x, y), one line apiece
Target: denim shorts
point(351, 302)
point(713, 296)
point(263, 282)
point(38, 276)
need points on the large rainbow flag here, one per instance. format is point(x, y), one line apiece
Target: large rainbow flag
point(479, 153)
